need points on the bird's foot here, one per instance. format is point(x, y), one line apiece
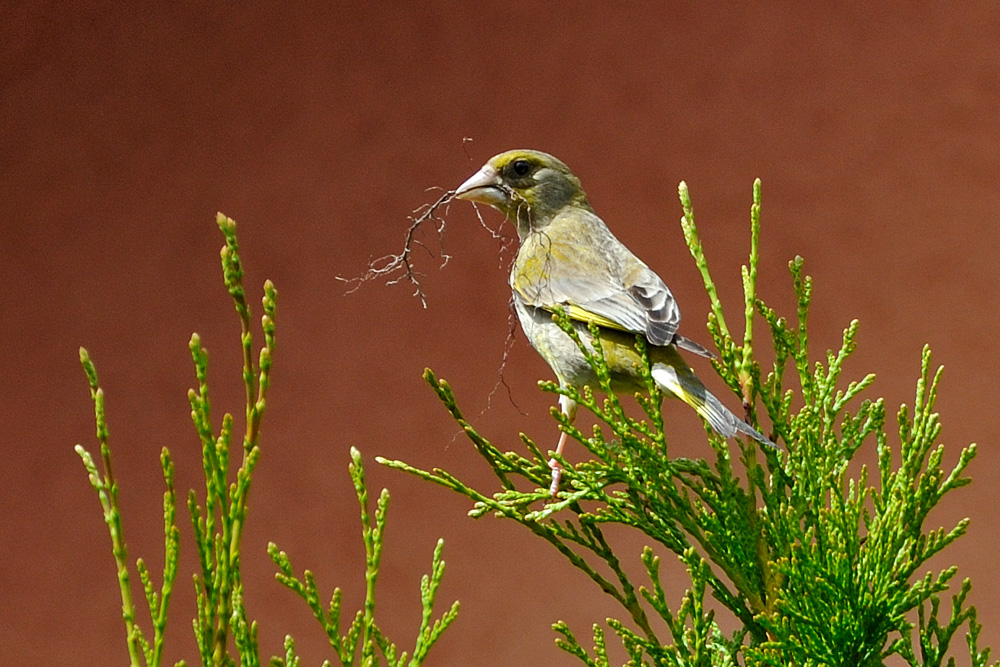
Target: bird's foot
point(556, 475)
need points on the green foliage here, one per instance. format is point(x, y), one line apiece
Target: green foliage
point(358, 645)
point(221, 622)
point(139, 647)
point(817, 566)
point(218, 523)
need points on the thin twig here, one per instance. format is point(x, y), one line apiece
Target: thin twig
point(508, 345)
point(388, 266)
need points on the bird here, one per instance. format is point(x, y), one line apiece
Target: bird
point(568, 259)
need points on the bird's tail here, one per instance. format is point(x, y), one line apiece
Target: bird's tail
point(687, 387)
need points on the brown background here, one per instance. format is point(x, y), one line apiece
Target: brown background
point(318, 128)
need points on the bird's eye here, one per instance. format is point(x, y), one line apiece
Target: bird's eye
point(520, 167)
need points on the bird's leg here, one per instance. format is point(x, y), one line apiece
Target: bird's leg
point(568, 407)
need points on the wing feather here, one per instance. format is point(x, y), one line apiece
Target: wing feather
point(577, 263)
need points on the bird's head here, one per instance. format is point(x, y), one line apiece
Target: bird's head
point(529, 187)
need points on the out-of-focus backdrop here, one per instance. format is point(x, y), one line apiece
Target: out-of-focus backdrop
point(319, 127)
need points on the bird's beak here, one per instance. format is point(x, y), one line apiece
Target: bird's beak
point(485, 187)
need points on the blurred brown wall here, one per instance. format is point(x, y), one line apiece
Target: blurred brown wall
point(124, 127)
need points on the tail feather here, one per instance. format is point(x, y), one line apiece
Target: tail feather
point(689, 389)
point(691, 346)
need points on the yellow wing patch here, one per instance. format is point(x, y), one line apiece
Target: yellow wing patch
point(584, 315)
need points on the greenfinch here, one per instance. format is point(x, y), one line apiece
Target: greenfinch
point(569, 259)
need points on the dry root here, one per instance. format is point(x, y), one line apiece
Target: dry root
point(399, 268)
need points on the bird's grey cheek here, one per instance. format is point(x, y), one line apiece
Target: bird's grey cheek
point(541, 174)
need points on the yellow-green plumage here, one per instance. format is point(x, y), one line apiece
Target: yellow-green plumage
point(569, 258)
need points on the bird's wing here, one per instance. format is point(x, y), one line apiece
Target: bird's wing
point(642, 304)
point(576, 263)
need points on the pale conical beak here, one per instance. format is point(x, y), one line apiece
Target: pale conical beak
point(485, 187)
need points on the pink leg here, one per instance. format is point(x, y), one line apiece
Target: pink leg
point(568, 408)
